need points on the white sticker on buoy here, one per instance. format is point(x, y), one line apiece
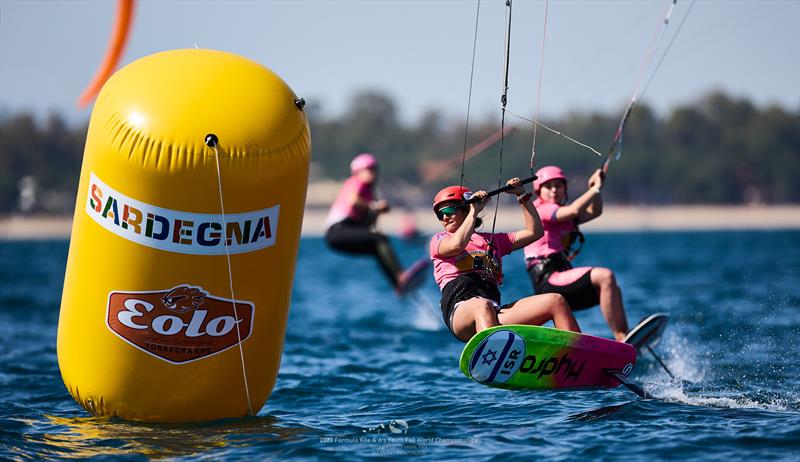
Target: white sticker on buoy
point(177, 231)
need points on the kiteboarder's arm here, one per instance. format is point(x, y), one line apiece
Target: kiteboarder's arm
point(533, 224)
point(456, 242)
point(595, 207)
point(587, 206)
point(574, 210)
point(378, 206)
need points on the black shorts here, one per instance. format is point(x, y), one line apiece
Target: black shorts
point(462, 288)
point(580, 294)
point(351, 237)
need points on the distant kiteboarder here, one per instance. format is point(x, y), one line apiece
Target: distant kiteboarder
point(549, 259)
point(351, 221)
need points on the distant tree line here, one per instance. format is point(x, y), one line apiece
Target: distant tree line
point(46, 153)
point(717, 150)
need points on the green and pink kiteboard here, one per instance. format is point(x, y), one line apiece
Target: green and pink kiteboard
point(541, 358)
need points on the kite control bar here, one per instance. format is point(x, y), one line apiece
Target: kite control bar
point(505, 188)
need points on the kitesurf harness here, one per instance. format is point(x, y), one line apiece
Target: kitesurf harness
point(490, 270)
point(543, 267)
point(575, 236)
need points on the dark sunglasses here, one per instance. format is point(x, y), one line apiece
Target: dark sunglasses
point(448, 211)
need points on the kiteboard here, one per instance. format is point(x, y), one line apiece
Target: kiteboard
point(414, 276)
point(646, 335)
point(540, 358)
point(648, 332)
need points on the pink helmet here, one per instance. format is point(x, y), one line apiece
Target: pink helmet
point(545, 174)
point(362, 161)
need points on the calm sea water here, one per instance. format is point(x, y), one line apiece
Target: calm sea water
point(367, 375)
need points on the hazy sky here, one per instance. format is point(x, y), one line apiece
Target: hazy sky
point(419, 52)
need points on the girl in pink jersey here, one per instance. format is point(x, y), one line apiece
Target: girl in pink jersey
point(467, 267)
point(350, 221)
point(549, 258)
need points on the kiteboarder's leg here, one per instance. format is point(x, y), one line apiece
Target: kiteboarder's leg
point(361, 240)
point(387, 259)
point(537, 310)
point(350, 238)
point(610, 301)
point(472, 316)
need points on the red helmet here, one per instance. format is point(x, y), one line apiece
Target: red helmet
point(450, 193)
point(545, 174)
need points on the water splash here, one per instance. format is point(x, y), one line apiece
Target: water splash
point(685, 359)
point(396, 426)
point(425, 313)
point(690, 364)
point(679, 393)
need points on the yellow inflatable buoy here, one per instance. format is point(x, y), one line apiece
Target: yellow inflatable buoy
point(184, 239)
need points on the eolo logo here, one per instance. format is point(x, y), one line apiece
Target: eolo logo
point(181, 324)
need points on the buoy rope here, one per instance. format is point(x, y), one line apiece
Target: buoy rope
point(213, 144)
point(469, 96)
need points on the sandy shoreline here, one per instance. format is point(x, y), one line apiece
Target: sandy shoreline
point(615, 218)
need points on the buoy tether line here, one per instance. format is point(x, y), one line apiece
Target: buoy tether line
point(212, 141)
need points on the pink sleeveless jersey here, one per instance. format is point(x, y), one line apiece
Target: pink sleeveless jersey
point(343, 207)
point(555, 239)
point(445, 269)
point(556, 235)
